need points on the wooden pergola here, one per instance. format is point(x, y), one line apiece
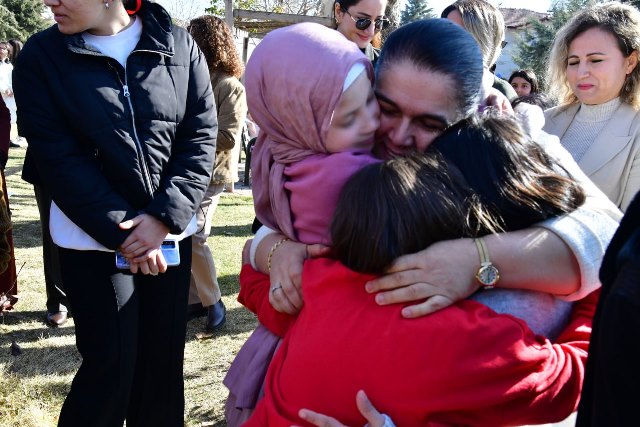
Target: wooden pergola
point(260, 23)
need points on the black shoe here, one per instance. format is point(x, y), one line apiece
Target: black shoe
point(196, 310)
point(216, 317)
point(56, 319)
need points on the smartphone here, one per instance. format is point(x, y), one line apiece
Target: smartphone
point(170, 251)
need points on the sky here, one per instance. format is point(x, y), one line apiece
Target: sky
point(187, 9)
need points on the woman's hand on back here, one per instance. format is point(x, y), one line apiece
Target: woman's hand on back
point(434, 278)
point(366, 408)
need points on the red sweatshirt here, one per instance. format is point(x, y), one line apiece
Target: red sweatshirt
point(464, 365)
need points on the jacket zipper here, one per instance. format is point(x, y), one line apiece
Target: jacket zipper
point(148, 183)
point(143, 161)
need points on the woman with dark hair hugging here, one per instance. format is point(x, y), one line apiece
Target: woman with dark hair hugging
point(465, 364)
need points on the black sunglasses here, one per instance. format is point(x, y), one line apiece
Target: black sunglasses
point(364, 23)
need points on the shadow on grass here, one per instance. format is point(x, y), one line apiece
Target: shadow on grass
point(204, 416)
point(38, 358)
point(60, 360)
point(11, 170)
point(239, 321)
point(17, 317)
point(229, 284)
point(27, 234)
point(232, 230)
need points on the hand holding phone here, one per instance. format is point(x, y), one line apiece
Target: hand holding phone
point(170, 251)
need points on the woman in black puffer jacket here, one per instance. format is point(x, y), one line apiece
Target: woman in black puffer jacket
point(117, 108)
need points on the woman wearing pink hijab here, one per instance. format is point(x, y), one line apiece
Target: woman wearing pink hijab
point(310, 91)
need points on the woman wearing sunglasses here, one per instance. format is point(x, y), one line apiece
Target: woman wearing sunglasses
point(359, 21)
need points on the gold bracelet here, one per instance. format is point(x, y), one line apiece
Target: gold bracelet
point(273, 250)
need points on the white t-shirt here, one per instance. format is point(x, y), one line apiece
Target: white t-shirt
point(117, 46)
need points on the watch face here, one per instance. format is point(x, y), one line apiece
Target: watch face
point(488, 275)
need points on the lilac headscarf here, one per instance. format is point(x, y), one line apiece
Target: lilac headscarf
point(293, 81)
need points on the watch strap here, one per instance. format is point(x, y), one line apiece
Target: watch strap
point(485, 263)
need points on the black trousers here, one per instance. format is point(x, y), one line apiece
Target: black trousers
point(56, 299)
point(130, 332)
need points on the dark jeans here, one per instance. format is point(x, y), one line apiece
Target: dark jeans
point(130, 331)
point(56, 299)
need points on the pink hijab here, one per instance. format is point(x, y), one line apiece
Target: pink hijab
point(293, 81)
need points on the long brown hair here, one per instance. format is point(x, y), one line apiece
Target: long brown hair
point(215, 40)
point(397, 207)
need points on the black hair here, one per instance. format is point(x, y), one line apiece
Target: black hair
point(439, 45)
point(16, 47)
point(529, 76)
point(447, 10)
point(515, 179)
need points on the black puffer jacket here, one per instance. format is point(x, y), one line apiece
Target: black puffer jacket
point(110, 144)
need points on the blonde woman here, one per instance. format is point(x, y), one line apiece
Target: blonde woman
point(593, 72)
point(486, 24)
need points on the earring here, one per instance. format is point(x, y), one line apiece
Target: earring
point(106, 4)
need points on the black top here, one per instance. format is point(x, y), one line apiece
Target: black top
point(612, 382)
point(109, 143)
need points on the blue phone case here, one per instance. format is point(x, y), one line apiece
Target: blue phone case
point(170, 250)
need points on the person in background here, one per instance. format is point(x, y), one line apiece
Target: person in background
point(8, 278)
point(57, 304)
point(486, 24)
point(359, 21)
point(524, 82)
point(6, 87)
point(252, 128)
point(593, 72)
point(216, 41)
point(117, 106)
point(16, 47)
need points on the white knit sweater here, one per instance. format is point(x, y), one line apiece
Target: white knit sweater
point(586, 125)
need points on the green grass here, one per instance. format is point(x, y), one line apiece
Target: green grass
point(34, 384)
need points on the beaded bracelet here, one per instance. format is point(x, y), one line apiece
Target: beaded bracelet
point(273, 250)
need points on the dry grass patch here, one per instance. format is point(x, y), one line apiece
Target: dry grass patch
point(33, 385)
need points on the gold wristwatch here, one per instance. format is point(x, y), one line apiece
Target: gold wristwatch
point(487, 275)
